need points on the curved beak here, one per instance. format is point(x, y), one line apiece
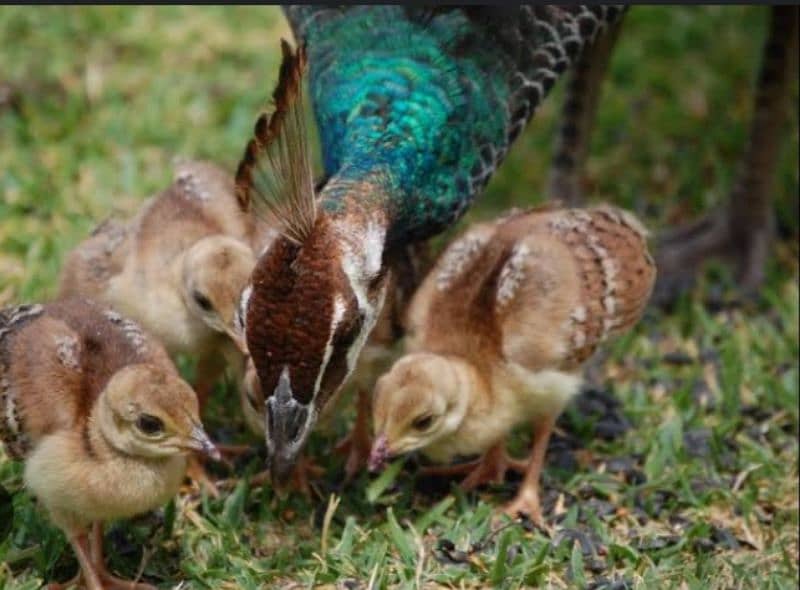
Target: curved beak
point(200, 441)
point(288, 423)
point(379, 454)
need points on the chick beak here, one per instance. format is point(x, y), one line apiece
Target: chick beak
point(199, 441)
point(379, 453)
point(288, 424)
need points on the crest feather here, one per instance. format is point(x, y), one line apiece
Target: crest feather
point(275, 171)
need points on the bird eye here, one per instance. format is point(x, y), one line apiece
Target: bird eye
point(422, 422)
point(202, 301)
point(149, 425)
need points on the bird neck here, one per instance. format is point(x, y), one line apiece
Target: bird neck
point(360, 219)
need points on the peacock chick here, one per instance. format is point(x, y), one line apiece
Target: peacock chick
point(99, 415)
point(178, 268)
point(498, 332)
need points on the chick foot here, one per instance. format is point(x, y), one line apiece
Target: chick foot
point(356, 445)
point(490, 468)
point(527, 498)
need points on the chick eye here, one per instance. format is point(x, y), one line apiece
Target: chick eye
point(149, 425)
point(202, 301)
point(422, 422)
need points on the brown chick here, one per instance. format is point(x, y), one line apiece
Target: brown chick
point(101, 418)
point(498, 332)
point(178, 268)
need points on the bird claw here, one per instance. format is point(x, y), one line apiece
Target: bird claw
point(526, 503)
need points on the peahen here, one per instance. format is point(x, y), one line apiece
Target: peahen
point(416, 108)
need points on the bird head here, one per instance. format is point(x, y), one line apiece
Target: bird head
point(419, 402)
point(309, 312)
point(316, 291)
point(215, 270)
point(147, 411)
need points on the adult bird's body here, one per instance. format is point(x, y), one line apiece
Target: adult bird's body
point(415, 108)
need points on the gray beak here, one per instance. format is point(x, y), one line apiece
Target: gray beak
point(288, 424)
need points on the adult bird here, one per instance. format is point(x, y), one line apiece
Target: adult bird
point(415, 108)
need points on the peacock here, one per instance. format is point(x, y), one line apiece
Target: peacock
point(416, 108)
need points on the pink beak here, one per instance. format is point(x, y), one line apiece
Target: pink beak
point(379, 454)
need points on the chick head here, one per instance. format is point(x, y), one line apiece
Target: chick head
point(418, 402)
point(151, 412)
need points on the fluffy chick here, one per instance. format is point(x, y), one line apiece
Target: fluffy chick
point(178, 267)
point(498, 332)
point(101, 418)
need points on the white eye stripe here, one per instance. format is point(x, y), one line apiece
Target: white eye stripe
point(241, 310)
point(336, 319)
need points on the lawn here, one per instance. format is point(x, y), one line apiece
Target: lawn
point(677, 467)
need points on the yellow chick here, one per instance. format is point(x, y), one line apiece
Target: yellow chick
point(178, 268)
point(101, 418)
point(498, 332)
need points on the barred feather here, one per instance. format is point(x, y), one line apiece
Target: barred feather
point(275, 172)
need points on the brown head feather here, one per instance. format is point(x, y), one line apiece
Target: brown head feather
point(275, 172)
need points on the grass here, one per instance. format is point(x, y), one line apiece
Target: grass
point(689, 481)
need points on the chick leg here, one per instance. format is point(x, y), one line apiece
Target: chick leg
point(490, 468)
point(110, 581)
point(80, 544)
point(527, 499)
point(357, 443)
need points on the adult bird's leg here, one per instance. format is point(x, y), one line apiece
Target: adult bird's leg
point(110, 581)
point(741, 233)
point(578, 117)
point(80, 544)
point(527, 498)
point(490, 468)
point(358, 442)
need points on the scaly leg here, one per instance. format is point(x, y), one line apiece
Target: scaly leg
point(490, 468)
point(110, 581)
point(358, 442)
point(742, 232)
point(527, 499)
point(80, 544)
point(578, 117)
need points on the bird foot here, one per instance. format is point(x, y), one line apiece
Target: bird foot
point(526, 502)
point(682, 252)
point(491, 468)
